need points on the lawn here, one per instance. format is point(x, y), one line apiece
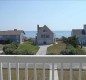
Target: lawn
point(81, 51)
point(22, 72)
point(56, 48)
point(75, 74)
point(28, 46)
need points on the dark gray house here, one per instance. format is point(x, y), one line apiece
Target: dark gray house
point(13, 35)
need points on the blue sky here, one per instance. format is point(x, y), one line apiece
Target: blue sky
point(57, 15)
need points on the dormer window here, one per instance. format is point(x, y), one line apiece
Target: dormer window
point(44, 30)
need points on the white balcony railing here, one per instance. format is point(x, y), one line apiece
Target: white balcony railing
point(43, 61)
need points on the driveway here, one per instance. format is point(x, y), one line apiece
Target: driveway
point(42, 50)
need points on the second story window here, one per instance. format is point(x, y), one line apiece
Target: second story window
point(43, 36)
point(44, 30)
point(47, 36)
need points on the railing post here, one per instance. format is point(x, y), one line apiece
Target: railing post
point(26, 71)
point(80, 71)
point(52, 71)
point(61, 71)
point(9, 71)
point(71, 71)
point(17, 71)
point(43, 71)
point(1, 72)
point(35, 72)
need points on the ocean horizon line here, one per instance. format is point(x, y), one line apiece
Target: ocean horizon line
point(52, 30)
point(58, 34)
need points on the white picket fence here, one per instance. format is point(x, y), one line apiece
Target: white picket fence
point(42, 61)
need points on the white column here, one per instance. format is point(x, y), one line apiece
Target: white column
point(80, 71)
point(61, 71)
point(52, 71)
point(71, 71)
point(1, 72)
point(35, 72)
point(43, 71)
point(26, 71)
point(17, 71)
point(9, 71)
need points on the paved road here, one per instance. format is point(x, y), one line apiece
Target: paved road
point(42, 50)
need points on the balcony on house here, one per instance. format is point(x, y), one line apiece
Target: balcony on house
point(54, 65)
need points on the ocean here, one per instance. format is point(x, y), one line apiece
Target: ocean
point(58, 34)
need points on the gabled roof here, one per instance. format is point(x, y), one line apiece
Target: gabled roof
point(48, 29)
point(12, 32)
point(78, 31)
point(41, 28)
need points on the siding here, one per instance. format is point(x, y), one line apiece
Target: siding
point(14, 38)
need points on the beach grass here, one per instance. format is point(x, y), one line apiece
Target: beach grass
point(55, 49)
point(22, 74)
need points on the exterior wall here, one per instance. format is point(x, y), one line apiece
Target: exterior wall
point(14, 38)
point(82, 39)
point(21, 38)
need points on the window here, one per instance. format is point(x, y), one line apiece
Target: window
point(43, 36)
point(1, 36)
point(17, 37)
point(44, 30)
point(47, 36)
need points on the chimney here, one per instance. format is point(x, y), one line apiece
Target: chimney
point(38, 28)
point(15, 29)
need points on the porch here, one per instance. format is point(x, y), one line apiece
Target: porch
point(53, 63)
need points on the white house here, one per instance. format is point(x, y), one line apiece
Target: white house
point(80, 34)
point(44, 35)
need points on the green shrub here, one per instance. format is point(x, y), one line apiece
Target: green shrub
point(22, 52)
point(9, 48)
point(70, 50)
point(69, 46)
point(9, 51)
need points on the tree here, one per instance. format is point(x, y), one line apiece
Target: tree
point(71, 40)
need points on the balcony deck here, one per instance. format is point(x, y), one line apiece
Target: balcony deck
point(53, 63)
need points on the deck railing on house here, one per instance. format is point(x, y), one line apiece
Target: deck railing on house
point(54, 62)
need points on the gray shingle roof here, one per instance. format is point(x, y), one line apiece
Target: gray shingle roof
point(78, 31)
point(11, 32)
